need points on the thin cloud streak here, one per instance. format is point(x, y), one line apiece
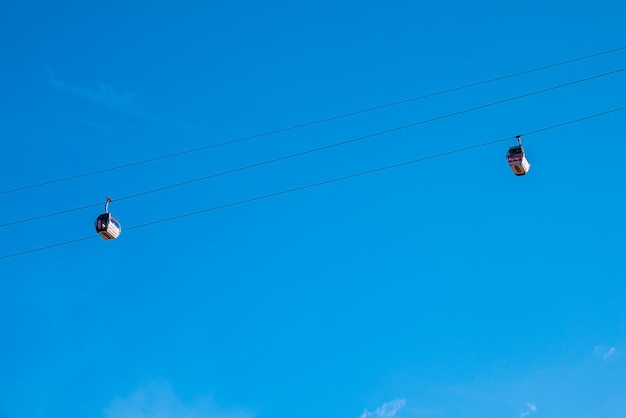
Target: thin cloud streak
point(158, 400)
point(531, 408)
point(609, 353)
point(387, 410)
point(604, 352)
point(106, 95)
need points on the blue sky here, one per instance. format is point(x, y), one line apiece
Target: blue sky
point(445, 288)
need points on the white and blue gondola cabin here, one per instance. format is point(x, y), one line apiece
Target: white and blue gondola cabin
point(517, 160)
point(107, 226)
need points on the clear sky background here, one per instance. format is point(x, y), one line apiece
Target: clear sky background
point(446, 288)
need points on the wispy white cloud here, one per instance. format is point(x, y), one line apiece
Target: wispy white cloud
point(103, 94)
point(159, 401)
point(387, 410)
point(604, 352)
point(531, 408)
point(106, 95)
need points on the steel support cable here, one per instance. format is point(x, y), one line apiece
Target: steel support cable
point(312, 123)
point(318, 149)
point(325, 182)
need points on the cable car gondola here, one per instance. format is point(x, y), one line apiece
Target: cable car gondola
point(517, 159)
point(106, 225)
